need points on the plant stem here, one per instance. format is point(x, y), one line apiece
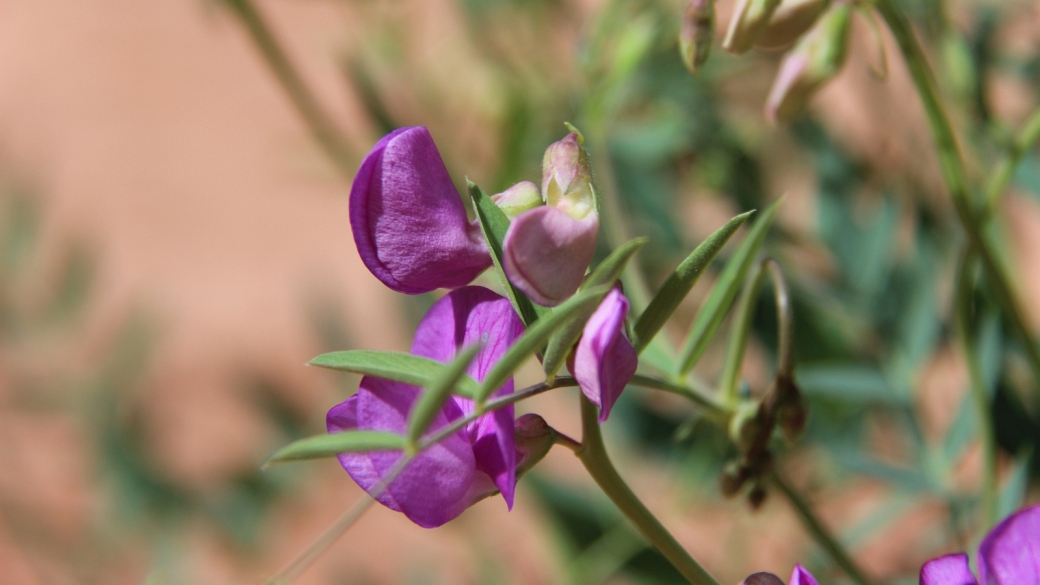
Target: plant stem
point(963, 301)
point(698, 397)
point(303, 99)
point(953, 172)
point(1002, 176)
point(593, 456)
point(818, 531)
point(738, 336)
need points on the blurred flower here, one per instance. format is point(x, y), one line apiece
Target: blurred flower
point(548, 248)
point(814, 60)
point(1009, 555)
point(605, 360)
point(446, 478)
point(409, 223)
point(790, 21)
point(750, 18)
point(799, 576)
point(697, 33)
point(518, 199)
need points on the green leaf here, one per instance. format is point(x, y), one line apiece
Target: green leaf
point(536, 336)
point(392, 365)
point(678, 285)
point(494, 224)
point(849, 383)
point(608, 271)
point(721, 297)
point(429, 404)
point(331, 445)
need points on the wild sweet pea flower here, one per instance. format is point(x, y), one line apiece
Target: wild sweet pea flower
point(548, 248)
point(409, 223)
point(605, 360)
point(1009, 555)
point(445, 479)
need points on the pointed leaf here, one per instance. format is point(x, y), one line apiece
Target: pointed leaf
point(431, 401)
point(608, 271)
point(321, 446)
point(494, 224)
point(536, 336)
point(678, 285)
point(721, 297)
point(391, 365)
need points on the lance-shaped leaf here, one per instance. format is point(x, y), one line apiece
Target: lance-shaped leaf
point(392, 365)
point(494, 224)
point(608, 271)
point(536, 336)
point(678, 285)
point(431, 401)
point(321, 446)
point(722, 294)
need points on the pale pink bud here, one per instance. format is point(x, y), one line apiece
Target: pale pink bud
point(697, 33)
point(749, 20)
point(789, 22)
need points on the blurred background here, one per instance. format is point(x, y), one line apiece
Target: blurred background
point(174, 246)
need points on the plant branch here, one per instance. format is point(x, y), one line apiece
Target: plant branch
point(1006, 169)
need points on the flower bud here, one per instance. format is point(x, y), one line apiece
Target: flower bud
point(567, 177)
point(762, 579)
point(791, 414)
point(749, 20)
point(746, 426)
point(790, 21)
point(533, 437)
point(757, 496)
point(518, 199)
point(732, 479)
point(814, 60)
point(697, 33)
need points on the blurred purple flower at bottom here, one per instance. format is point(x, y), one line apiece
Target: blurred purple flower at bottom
point(445, 479)
point(605, 360)
point(409, 223)
point(1009, 555)
point(799, 576)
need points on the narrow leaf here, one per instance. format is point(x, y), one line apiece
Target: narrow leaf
point(321, 446)
point(494, 224)
point(678, 285)
point(431, 401)
point(608, 271)
point(721, 297)
point(391, 365)
point(535, 337)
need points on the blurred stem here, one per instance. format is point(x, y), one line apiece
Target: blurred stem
point(303, 99)
point(818, 531)
point(738, 336)
point(784, 320)
point(953, 172)
point(593, 456)
point(1002, 176)
point(698, 397)
point(963, 307)
point(305, 559)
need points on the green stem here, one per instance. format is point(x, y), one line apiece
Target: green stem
point(738, 336)
point(953, 172)
point(306, 104)
point(593, 456)
point(818, 531)
point(699, 397)
point(963, 301)
point(1002, 176)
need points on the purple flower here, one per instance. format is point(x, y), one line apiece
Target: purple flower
point(605, 360)
point(409, 223)
point(799, 576)
point(1009, 555)
point(445, 479)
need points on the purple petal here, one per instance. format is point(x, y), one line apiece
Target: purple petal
point(605, 360)
point(800, 576)
point(432, 489)
point(409, 223)
point(463, 317)
point(547, 251)
point(1010, 553)
point(947, 570)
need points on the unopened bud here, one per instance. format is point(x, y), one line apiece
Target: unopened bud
point(567, 177)
point(757, 496)
point(518, 199)
point(792, 416)
point(762, 579)
point(745, 427)
point(790, 21)
point(816, 58)
point(750, 18)
point(697, 33)
point(732, 479)
point(533, 437)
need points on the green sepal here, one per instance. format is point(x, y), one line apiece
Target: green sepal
point(392, 365)
point(438, 390)
point(321, 446)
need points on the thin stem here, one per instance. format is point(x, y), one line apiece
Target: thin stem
point(784, 319)
point(953, 172)
point(593, 456)
point(698, 397)
point(1002, 176)
point(303, 99)
point(305, 559)
point(738, 337)
point(963, 302)
point(818, 531)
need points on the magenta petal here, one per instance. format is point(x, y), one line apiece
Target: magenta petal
point(1010, 553)
point(409, 223)
point(547, 251)
point(947, 570)
point(800, 576)
point(463, 317)
point(432, 489)
point(605, 360)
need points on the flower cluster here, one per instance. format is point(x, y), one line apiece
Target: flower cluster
point(413, 234)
